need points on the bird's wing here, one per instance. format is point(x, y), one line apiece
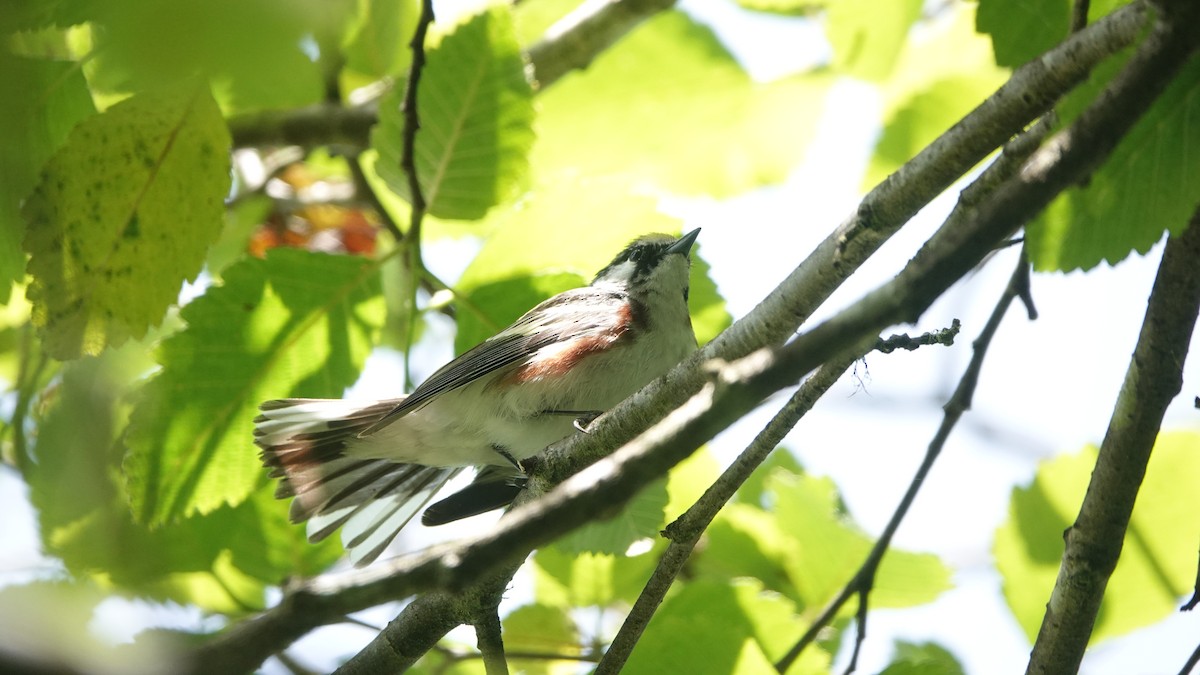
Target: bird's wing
point(539, 327)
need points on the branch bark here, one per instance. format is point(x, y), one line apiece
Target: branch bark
point(1154, 378)
point(579, 37)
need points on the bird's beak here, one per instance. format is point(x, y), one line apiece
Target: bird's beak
point(683, 245)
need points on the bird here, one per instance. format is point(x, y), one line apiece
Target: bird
point(368, 467)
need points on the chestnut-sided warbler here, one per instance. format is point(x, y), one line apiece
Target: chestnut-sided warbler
point(370, 466)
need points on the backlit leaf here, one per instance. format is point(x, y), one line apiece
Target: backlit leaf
point(294, 324)
point(669, 106)
point(830, 549)
point(476, 112)
point(867, 35)
point(1157, 565)
point(1021, 31)
point(1150, 183)
point(123, 215)
point(54, 97)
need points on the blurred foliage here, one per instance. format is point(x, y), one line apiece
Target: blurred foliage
point(154, 293)
point(1157, 565)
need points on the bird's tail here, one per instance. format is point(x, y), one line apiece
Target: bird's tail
point(303, 443)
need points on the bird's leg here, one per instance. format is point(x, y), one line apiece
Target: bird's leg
point(503, 452)
point(583, 418)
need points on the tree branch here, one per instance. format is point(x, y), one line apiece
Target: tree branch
point(864, 579)
point(903, 341)
point(425, 621)
point(489, 639)
point(582, 35)
point(1154, 378)
point(686, 530)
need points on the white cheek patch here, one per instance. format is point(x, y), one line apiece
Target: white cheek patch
point(621, 273)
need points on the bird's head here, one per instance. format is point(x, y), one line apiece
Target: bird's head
point(651, 265)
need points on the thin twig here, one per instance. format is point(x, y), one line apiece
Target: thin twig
point(1190, 664)
point(686, 530)
point(408, 163)
point(944, 336)
point(363, 187)
point(863, 580)
point(1079, 15)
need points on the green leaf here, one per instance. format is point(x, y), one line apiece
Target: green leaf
point(867, 35)
point(562, 579)
point(936, 81)
point(54, 97)
point(377, 44)
point(251, 50)
point(689, 479)
point(123, 215)
point(922, 118)
point(669, 106)
point(476, 112)
point(541, 629)
point(1157, 565)
point(295, 324)
point(641, 518)
point(220, 562)
point(1021, 31)
point(922, 659)
point(1151, 183)
point(730, 628)
point(745, 541)
point(831, 548)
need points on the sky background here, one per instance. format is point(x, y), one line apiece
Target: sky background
point(1047, 388)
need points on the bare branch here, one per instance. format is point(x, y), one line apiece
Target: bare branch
point(864, 579)
point(903, 341)
point(1154, 378)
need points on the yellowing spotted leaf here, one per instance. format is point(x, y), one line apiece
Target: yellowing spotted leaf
point(123, 215)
